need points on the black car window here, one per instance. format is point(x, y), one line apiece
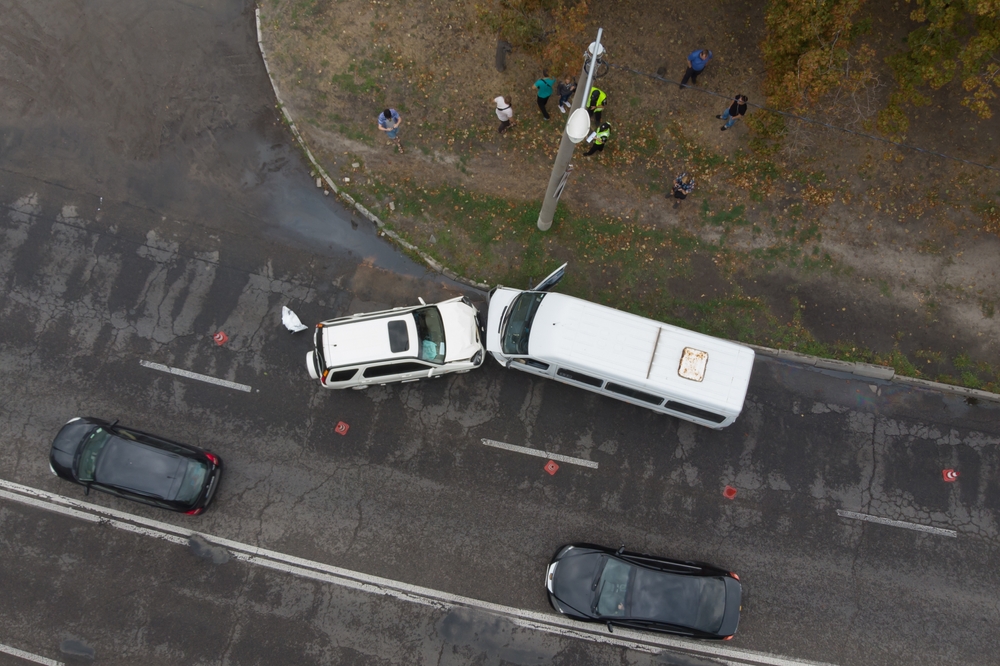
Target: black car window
point(694, 411)
point(580, 377)
point(399, 339)
point(430, 332)
point(393, 369)
point(532, 362)
point(633, 393)
point(89, 453)
point(193, 483)
point(612, 589)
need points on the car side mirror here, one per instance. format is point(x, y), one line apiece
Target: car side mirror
point(621, 550)
point(86, 489)
point(610, 630)
point(422, 302)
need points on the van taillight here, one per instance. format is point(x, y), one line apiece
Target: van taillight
point(323, 376)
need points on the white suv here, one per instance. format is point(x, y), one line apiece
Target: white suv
point(398, 345)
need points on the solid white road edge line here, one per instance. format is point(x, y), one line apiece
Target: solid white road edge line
point(548, 622)
point(897, 523)
point(27, 656)
point(195, 375)
point(541, 454)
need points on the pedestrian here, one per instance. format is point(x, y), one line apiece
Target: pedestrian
point(504, 113)
point(389, 122)
point(544, 87)
point(600, 138)
point(683, 186)
point(736, 110)
point(566, 89)
point(696, 63)
point(595, 104)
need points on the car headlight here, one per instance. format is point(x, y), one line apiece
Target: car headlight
point(478, 358)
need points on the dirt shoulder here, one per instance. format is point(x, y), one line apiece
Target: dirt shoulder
point(826, 243)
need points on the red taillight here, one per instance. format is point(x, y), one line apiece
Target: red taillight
point(323, 377)
point(727, 638)
point(736, 577)
point(214, 458)
point(194, 512)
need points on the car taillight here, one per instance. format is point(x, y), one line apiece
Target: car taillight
point(214, 458)
point(734, 575)
point(727, 638)
point(323, 377)
point(194, 512)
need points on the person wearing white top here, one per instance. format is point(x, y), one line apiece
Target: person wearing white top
point(504, 113)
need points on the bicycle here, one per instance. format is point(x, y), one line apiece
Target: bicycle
point(602, 66)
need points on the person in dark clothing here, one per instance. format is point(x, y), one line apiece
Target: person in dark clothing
point(683, 186)
point(736, 110)
point(566, 89)
point(696, 63)
point(544, 86)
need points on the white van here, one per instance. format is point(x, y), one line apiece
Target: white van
point(664, 368)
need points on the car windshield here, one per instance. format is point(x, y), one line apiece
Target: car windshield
point(89, 453)
point(430, 332)
point(194, 481)
point(688, 601)
point(612, 589)
point(518, 328)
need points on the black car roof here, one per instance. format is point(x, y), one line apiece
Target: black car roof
point(140, 467)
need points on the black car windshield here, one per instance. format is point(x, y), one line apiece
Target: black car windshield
point(612, 589)
point(518, 328)
point(430, 332)
point(194, 481)
point(89, 453)
point(688, 601)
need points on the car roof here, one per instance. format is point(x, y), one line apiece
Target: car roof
point(366, 340)
point(698, 602)
point(140, 467)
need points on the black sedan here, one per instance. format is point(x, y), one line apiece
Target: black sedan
point(598, 584)
point(135, 465)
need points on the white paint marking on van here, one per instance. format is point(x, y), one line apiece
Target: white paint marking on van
point(541, 454)
point(27, 656)
point(195, 375)
point(548, 622)
point(897, 523)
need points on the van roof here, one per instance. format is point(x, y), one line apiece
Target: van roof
point(642, 352)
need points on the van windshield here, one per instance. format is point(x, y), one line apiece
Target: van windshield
point(430, 331)
point(518, 328)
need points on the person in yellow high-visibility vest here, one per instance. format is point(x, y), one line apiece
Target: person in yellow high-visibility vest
point(600, 138)
point(595, 104)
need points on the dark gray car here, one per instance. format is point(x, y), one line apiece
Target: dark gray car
point(598, 584)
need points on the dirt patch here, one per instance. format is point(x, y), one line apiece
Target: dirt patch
point(828, 242)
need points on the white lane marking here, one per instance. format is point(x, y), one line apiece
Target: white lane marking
point(195, 375)
point(45, 505)
point(548, 622)
point(27, 656)
point(897, 523)
point(540, 454)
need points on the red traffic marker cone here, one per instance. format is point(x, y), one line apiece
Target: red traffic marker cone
point(341, 428)
point(729, 492)
point(949, 475)
point(220, 338)
point(551, 467)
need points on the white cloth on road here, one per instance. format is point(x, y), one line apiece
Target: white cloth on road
point(291, 320)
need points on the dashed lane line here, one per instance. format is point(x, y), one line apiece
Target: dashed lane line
point(195, 375)
point(27, 656)
point(897, 523)
point(541, 454)
point(547, 622)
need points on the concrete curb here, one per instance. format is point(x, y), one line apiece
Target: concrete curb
point(325, 178)
point(866, 370)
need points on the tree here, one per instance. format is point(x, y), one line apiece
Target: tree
point(955, 38)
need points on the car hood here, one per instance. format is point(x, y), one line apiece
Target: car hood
point(461, 331)
point(734, 598)
point(66, 443)
point(573, 577)
point(500, 300)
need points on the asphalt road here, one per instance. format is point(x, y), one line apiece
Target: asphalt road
point(151, 199)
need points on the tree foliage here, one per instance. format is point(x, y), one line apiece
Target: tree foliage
point(809, 51)
point(548, 30)
point(954, 38)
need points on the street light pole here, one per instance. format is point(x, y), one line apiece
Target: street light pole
point(573, 133)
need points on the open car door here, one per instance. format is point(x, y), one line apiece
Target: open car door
point(552, 280)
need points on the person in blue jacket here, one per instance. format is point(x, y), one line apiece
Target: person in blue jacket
point(696, 63)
